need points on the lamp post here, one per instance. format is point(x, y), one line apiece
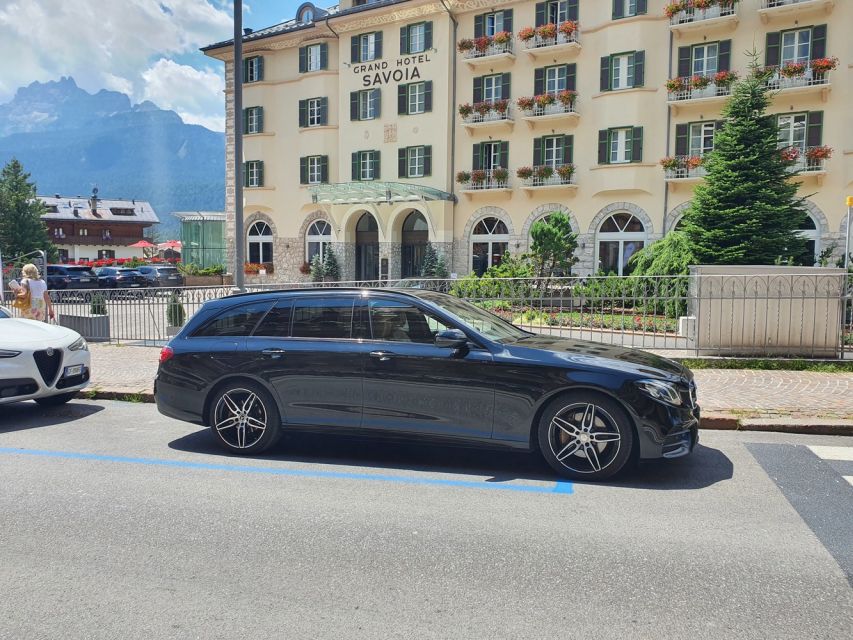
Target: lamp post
point(847, 239)
point(239, 247)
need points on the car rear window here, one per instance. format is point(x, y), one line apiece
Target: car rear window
point(236, 321)
point(79, 271)
point(276, 324)
point(323, 318)
point(167, 270)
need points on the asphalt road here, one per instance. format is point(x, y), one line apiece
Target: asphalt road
point(116, 522)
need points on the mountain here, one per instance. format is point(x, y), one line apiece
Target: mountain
point(71, 140)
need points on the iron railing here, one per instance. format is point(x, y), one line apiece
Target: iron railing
point(692, 14)
point(713, 90)
point(493, 49)
point(779, 78)
point(492, 179)
point(550, 109)
point(491, 115)
point(538, 42)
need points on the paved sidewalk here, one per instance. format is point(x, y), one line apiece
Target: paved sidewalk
point(744, 393)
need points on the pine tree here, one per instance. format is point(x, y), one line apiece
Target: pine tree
point(317, 268)
point(331, 268)
point(553, 244)
point(430, 262)
point(441, 270)
point(747, 211)
point(22, 229)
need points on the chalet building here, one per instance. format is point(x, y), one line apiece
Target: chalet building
point(96, 228)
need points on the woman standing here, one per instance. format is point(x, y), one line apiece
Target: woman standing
point(40, 307)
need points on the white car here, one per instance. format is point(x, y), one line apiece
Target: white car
point(39, 361)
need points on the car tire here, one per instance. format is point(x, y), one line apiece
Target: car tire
point(57, 400)
point(586, 435)
point(237, 411)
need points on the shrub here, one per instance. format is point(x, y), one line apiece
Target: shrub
point(175, 313)
point(667, 263)
point(331, 268)
point(463, 177)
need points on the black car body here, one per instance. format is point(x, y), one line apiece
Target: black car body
point(420, 363)
point(61, 277)
point(120, 278)
point(161, 276)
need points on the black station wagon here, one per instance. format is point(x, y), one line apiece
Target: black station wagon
point(425, 364)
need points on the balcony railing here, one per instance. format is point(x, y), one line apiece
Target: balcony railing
point(489, 180)
point(117, 241)
point(691, 14)
point(538, 42)
point(778, 78)
point(549, 110)
point(684, 167)
point(773, 4)
point(687, 92)
point(493, 49)
point(553, 180)
point(807, 160)
point(482, 115)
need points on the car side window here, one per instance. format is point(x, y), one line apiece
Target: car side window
point(323, 318)
point(398, 321)
point(236, 321)
point(276, 324)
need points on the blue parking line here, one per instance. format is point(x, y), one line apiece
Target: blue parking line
point(556, 487)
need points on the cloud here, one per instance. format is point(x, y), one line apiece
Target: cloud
point(108, 44)
point(196, 95)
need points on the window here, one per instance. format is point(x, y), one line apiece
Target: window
point(414, 98)
point(417, 42)
point(492, 88)
point(322, 318)
point(315, 167)
point(106, 254)
point(705, 59)
point(792, 130)
point(622, 72)
point(307, 16)
point(237, 321)
point(314, 112)
point(253, 173)
point(415, 162)
point(317, 240)
point(701, 138)
point(253, 69)
point(83, 232)
point(808, 230)
point(556, 11)
point(628, 8)
point(555, 79)
point(365, 165)
point(552, 151)
point(368, 103)
point(253, 122)
point(491, 155)
point(796, 45)
point(619, 237)
point(620, 145)
point(276, 324)
point(314, 58)
point(493, 23)
point(489, 243)
point(415, 38)
point(417, 94)
point(260, 240)
point(367, 47)
point(396, 321)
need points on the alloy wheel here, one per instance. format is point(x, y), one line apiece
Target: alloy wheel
point(584, 438)
point(240, 418)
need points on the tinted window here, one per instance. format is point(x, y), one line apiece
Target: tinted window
point(322, 318)
point(167, 270)
point(276, 324)
point(399, 321)
point(236, 321)
point(78, 271)
point(143, 269)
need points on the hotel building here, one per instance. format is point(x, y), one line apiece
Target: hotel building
point(354, 140)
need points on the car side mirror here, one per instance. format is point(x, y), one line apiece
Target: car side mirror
point(451, 339)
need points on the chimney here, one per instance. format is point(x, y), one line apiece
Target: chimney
point(246, 31)
point(56, 195)
point(93, 201)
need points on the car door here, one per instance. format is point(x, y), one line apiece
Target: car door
point(412, 385)
point(304, 349)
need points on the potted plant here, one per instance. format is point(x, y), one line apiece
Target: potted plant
point(568, 28)
point(482, 43)
point(544, 99)
point(547, 31)
point(700, 82)
point(526, 34)
point(94, 325)
point(524, 172)
point(789, 154)
point(675, 7)
point(703, 4)
point(823, 65)
point(525, 103)
point(501, 106)
point(463, 177)
point(465, 110)
point(175, 315)
point(725, 78)
point(675, 85)
point(567, 97)
point(478, 176)
point(465, 45)
point(543, 172)
point(819, 153)
point(669, 163)
point(500, 176)
point(694, 162)
point(483, 108)
point(793, 70)
point(566, 171)
point(502, 37)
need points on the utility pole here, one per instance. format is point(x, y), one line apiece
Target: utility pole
point(239, 236)
point(847, 239)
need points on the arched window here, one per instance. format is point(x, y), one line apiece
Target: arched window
point(260, 240)
point(619, 237)
point(489, 243)
point(317, 239)
point(808, 230)
point(415, 239)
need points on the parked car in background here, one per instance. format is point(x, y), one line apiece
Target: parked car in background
point(40, 361)
point(161, 276)
point(61, 277)
point(120, 278)
point(423, 364)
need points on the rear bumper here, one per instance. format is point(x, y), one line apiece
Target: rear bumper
point(176, 401)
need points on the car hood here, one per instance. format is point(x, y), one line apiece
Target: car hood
point(19, 332)
point(582, 352)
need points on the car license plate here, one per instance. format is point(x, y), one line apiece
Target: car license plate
point(173, 277)
point(134, 284)
point(84, 279)
point(74, 370)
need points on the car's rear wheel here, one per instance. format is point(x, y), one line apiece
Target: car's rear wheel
point(586, 436)
point(244, 418)
point(57, 400)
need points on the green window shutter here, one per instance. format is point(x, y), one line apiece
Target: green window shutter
point(427, 35)
point(245, 69)
point(324, 111)
point(637, 144)
point(260, 173)
point(377, 167)
point(324, 55)
point(303, 59)
point(245, 166)
point(428, 160)
point(505, 86)
point(602, 146)
point(682, 139)
point(260, 68)
point(303, 113)
point(404, 41)
point(507, 20)
point(479, 27)
point(245, 121)
point(478, 89)
point(303, 170)
point(356, 166)
point(428, 95)
point(504, 158)
point(477, 159)
point(724, 55)
point(642, 7)
point(773, 49)
point(537, 151)
point(818, 42)
point(324, 168)
point(353, 105)
point(568, 149)
point(355, 49)
point(814, 128)
point(540, 14)
point(618, 9)
point(402, 99)
point(377, 44)
point(402, 163)
point(539, 81)
point(378, 98)
point(639, 62)
point(260, 119)
point(572, 9)
point(604, 79)
point(684, 58)
point(571, 76)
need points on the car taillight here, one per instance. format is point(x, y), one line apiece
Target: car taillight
point(166, 354)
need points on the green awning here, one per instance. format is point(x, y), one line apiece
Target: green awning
point(375, 192)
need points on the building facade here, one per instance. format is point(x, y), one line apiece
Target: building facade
point(374, 128)
point(96, 228)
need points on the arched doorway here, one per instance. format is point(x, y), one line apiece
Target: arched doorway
point(808, 230)
point(415, 240)
point(619, 237)
point(260, 241)
point(367, 248)
point(489, 243)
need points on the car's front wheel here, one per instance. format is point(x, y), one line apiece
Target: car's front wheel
point(57, 400)
point(244, 418)
point(586, 436)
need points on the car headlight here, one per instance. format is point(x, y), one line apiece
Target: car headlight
point(661, 390)
point(8, 353)
point(78, 345)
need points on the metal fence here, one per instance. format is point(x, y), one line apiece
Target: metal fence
point(766, 315)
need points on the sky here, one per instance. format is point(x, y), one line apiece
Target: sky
point(147, 49)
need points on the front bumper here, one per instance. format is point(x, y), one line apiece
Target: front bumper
point(665, 431)
point(21, 379)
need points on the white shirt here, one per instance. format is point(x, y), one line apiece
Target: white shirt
point(37, 289)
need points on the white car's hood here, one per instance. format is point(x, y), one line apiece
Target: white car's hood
point(18, 332)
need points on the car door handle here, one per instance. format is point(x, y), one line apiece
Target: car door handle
point(382, 356)
point(274, 353)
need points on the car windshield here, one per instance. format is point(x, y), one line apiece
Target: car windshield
point(4, 313)
point(483, 322)
point(128, 272)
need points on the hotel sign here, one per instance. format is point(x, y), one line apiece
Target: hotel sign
point(406, 69)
